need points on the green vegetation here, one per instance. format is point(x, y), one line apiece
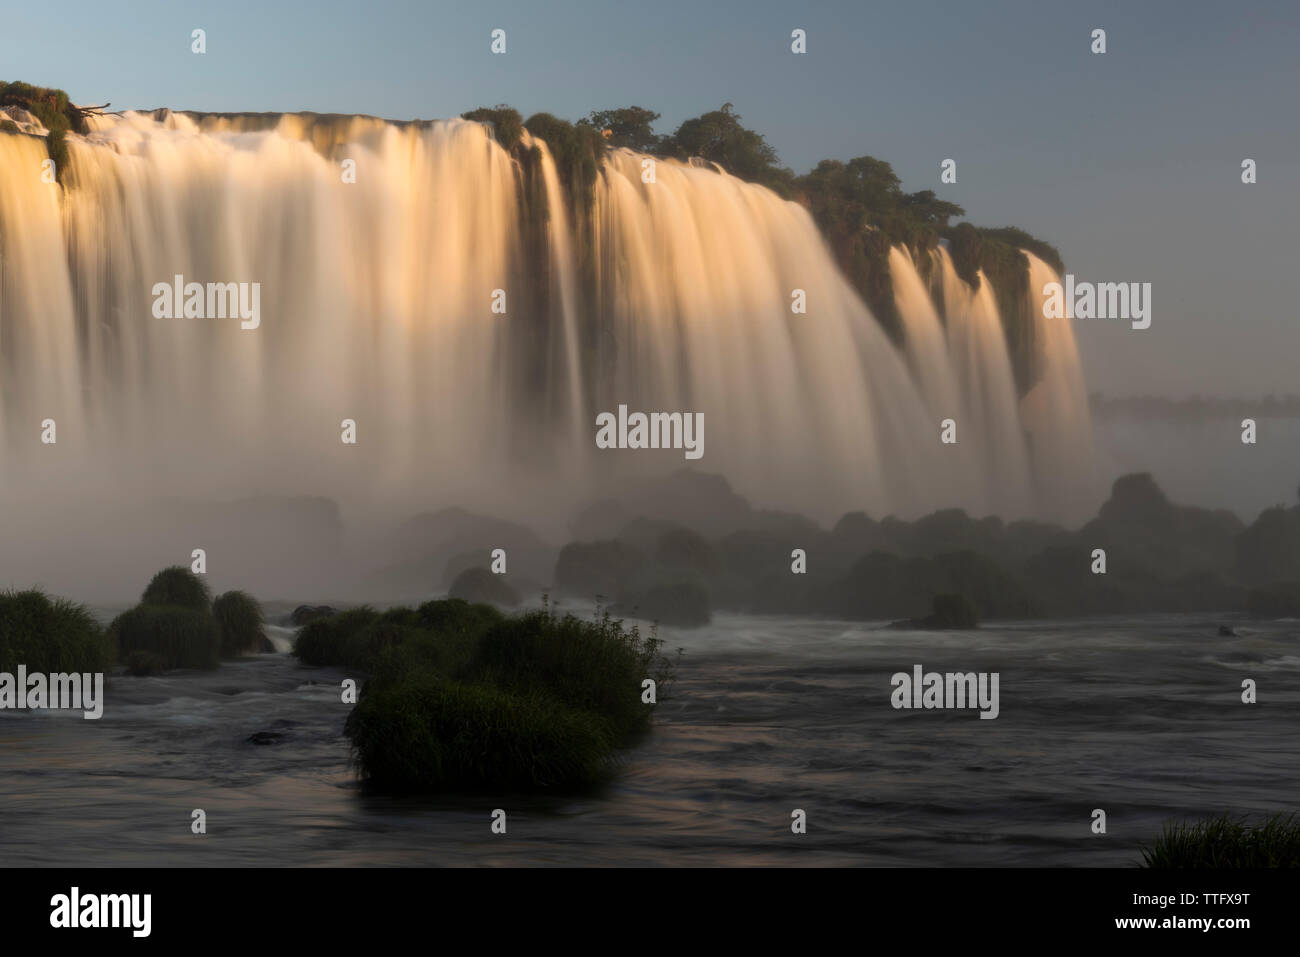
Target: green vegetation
point(631, 127)
point(178, 625)
point(859, 206)
point(461, 697)
point(577, 149)
point(333, 640)
point(54, 111)
point(862, 211)
point(422, 733)
point(507, 125)
point(178, 586)
point(50, 635)
point(239, 619)
point(719, 137)
point(171, 635)
point(1224, 842)
point(1007, 268)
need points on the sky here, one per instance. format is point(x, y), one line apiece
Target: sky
point(1128, 161)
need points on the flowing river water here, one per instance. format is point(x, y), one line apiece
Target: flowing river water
point(1141, 717)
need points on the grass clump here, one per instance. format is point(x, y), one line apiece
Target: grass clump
point(462, 697)
point(239, 619)
point(333, 640)
point(591, 666)
point(50, 635)
point(421, 732)
point(177, 586)
point(174, 636)
point(1225, 842)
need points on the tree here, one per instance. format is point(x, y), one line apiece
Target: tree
point(630, 127)
point(720, 138)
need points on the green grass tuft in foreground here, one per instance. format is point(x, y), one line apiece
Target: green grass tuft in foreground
point(1225, 842)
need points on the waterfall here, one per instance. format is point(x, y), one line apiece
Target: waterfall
point(377, 306)
point(1056, 413)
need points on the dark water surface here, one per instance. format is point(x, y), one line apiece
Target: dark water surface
point(1141, 717)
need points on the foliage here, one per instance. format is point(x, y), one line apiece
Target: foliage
point(507, 125)
point(179, 586)
point(50, 635)
point(1225, 842)
point(175, 636)
point(630, 127)
point(239, 618)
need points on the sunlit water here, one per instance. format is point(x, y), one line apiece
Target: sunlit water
point(1140, 717)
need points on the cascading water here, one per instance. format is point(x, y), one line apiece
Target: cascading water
point(1056, 413)
point(376, 306)
point(995, 459)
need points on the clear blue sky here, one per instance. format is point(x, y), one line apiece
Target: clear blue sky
point(1128, 161)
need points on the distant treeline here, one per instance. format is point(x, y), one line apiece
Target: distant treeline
point(1193, 409)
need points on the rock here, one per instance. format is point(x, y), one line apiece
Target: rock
point(607, 569)
point(683, 605)
point(1278, 600)
point(265, 737)
point(480, 586)
point(1226, 632)
point(949, 613)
